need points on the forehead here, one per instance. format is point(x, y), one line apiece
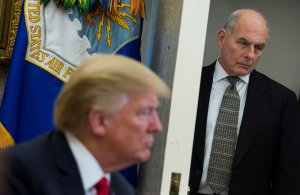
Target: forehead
point(142, 99)
point(252, 27)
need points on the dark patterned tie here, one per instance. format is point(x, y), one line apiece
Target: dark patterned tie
point(225, 138)
point(102, 187)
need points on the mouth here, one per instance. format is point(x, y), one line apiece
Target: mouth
point(149, 145)
point(150, 142)
point(245, 65)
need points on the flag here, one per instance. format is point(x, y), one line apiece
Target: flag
point(52, 40)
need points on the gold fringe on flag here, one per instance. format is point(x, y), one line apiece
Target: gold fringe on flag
point(88, 6)
point(5, 139)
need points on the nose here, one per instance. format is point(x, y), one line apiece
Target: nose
point(250, 52)
point(156, 125)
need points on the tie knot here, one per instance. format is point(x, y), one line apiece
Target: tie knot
point(232, 79)
point(102, 187)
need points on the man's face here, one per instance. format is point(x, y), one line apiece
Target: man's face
point(241, 49)
point(131, 129)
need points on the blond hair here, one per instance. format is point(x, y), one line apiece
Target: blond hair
point(101, 81)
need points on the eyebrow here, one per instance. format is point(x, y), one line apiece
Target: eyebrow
point(244, 39)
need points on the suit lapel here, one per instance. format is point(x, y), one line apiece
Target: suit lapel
point(253, 109)
point(119, 185)
point(203, 102)
point(68, 172)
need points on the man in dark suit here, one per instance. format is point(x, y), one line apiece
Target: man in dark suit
point(106, 116)
point(266, 154)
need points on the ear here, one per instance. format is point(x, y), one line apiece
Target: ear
point(221, 37)
point(96, 122)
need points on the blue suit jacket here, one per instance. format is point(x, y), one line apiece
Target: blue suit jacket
point(267, 157)
point(46, 166)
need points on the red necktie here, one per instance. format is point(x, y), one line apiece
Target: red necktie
point(102, 187)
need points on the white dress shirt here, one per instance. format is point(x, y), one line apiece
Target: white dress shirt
point(219, 85)
point(89, 169)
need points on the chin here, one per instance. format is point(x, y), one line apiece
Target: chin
point(145, 156)
point(243, 72)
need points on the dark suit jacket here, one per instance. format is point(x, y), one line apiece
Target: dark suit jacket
point(46, 166)
point(267, 158)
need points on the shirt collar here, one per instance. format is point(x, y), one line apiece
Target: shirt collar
point(220, 74)
point(89, 169)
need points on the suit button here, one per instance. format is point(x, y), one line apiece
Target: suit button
point(198, 172)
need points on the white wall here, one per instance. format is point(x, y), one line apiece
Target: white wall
point(280, 60)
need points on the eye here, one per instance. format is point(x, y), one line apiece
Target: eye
point(146, 112)
point(259, 48)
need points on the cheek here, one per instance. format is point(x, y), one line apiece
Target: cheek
point(231, 54)
point(255, 61)
point(140, 130)
point(137, 130)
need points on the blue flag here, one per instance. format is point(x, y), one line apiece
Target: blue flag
point(50, 44)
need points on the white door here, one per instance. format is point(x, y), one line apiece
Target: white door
point(185, 93)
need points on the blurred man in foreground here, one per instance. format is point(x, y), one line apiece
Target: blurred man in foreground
point(106, 116)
